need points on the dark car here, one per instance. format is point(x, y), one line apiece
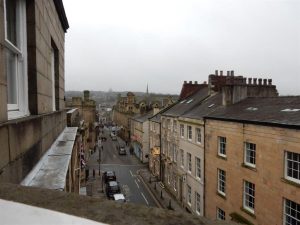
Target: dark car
point(122, 150)
point(112, 187)
point(109, 176)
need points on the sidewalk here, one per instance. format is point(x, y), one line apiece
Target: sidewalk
point(159, 192)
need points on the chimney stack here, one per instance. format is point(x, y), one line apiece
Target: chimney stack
point(232, 72)
point(221, 72)
point(185, 82)
point(265, 81)
point(228, 73)
point(249, 80)
point(255, 81)
point(259, 81)
point(270, 81)
point(216, 72)
point(196, 82)
point(190, 82)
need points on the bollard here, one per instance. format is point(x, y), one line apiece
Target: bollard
point(170, 204)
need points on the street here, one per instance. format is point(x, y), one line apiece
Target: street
point(126, 168)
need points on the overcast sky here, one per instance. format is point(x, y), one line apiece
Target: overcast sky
point(125, 44)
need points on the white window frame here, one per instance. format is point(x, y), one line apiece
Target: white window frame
point(221, 215)
point(247, 151)
point(286, 213)
point(247, 195)
point(189, 195)
point(182, 130)
point(222, 182)
point(222, 144)
point(182, 157)
point(198, 135)
point(189, 133)
point(189, 162)
point(198, 167)
point(287, 160)
point(197, 203)
point(20, 109)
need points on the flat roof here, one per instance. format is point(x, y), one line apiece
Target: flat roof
point(51, 171)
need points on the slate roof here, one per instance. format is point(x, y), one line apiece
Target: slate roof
point(187, 104)
point(207, 106)
point(283, 111)
point(143, 118)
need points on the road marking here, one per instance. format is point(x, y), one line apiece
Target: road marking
point(136, 184)
point(131, 173)
point(145, 198)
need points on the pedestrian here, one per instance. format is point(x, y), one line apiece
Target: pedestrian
point(126, 143)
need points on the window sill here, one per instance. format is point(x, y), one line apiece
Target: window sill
point(287, 181)
point(249, 167)
point(221, 157)
point(221, 195)
point(245, 210)
point(12, 115)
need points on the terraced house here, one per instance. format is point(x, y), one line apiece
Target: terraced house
point(252, 161)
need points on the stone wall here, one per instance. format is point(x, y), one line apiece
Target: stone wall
point(24, 141)
point(268, 175)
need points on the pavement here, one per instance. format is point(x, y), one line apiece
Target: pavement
point(165, 199)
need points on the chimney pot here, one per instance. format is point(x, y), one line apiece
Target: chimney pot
point(259, 81)
point(244, 80)
point(249, 80)
point(204, 82)
point(221, 72)
point(216, 72)
point(191, 82)
point(265, 81)
point(196, 82)
point(232, 72)
point(255, 81)
point(270, 81)
point(185, 82)
point(228, 73)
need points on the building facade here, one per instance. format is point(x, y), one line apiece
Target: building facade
point(252, 160)
point(32, 112)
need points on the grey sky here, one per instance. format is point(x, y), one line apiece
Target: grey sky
point(125, 44)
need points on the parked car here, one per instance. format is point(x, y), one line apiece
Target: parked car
point(109, 176)
point(112, 187)
point(119, 198)
point(122, 150)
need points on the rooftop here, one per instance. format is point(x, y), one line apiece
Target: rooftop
point(276, 111)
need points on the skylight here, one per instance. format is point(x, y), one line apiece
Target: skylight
point(290, 110)
point(252, 109)
point(189, 101)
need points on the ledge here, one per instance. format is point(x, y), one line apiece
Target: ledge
point(248, 212)
point(249, 167)
point(221, 157)
point(290, 182)
point(102, 211)
point(222, 196)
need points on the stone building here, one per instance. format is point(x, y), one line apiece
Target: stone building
point(183, 132)
point(252, 161)
point(87, 112)
point(32, 112)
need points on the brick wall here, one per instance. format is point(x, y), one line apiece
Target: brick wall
point(271, 188)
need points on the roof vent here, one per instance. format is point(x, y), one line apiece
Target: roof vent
point(290, 110)
point(252, 109)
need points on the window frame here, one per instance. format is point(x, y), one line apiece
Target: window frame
point(285, 214)
point(221, 212)
point(221, 182)
point(245, 194)
point(246, 150)
point(20, 109)
point(189, 162)
point(189, 132)
point(198, 168)
point(182, 130)
point(189, 195)
point(219, 146)
point(198, 135)
point(197, 203)
point(182, 157)
point(286, 167)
